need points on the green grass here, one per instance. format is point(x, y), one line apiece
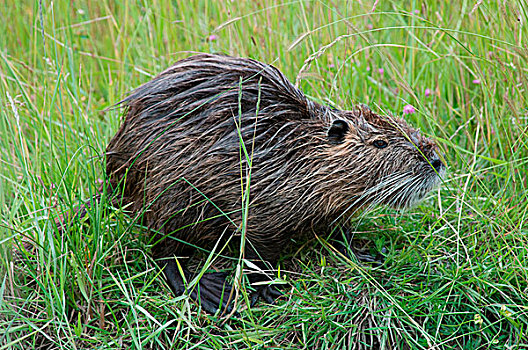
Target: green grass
point(457, 267)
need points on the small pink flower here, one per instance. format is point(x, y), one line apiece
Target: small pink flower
point(212, 37)
point(99, 180)
point(408, 109)
point(416, 12)
point(370, 26)
point(380, 70)
point(476, 81)
point(331, 65)
point(427, 92)
point(368, 69)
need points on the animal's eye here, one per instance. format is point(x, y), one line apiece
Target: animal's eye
point(380, 143)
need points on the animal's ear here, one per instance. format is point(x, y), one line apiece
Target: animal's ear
point(337, 131)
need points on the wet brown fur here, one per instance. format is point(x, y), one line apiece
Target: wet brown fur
point(177, 157)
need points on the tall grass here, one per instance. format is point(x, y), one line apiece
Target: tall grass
point(455, 275)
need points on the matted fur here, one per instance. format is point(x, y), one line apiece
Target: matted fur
point(178, 155)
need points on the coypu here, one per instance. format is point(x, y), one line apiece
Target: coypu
point(194, 131)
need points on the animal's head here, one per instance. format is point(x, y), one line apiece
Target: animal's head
point(384, 160)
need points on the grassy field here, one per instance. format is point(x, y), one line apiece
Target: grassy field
point(456, 271)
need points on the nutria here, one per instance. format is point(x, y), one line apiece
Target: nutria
point(195, 135)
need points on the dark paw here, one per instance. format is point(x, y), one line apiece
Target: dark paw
point(214, 293)
point(360, 249)
point(174, 276)
point(268, 293)
point(366, 257)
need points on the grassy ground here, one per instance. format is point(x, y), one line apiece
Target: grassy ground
point(457, 267)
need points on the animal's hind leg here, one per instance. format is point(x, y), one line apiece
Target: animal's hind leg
point(213, 292)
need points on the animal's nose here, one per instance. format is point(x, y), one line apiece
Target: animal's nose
point(437, 164)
